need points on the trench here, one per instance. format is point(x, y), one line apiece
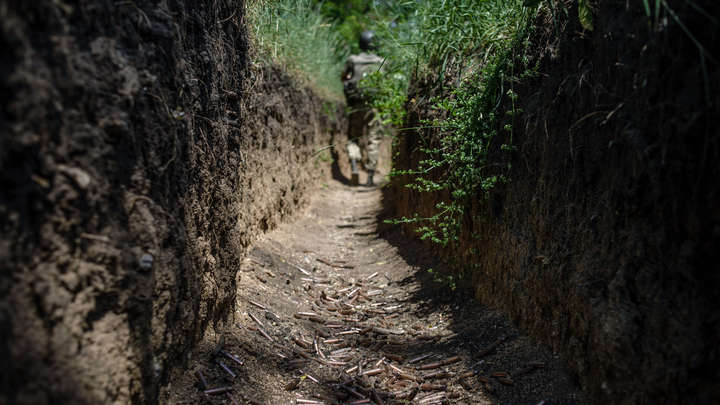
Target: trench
point(171, 230)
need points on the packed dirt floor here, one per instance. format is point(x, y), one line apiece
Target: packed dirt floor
point(337, 308)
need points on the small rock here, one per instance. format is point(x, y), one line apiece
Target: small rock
point(71, 280)
point(157, 367)
point(81, 177)
point(146, 261)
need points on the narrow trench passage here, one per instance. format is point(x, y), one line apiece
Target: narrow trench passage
point(329, 311)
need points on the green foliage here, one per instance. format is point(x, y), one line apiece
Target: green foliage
point(294, 34)
point(585, 14)
point(323, 157)
point(469, 153)
point(449, 280)
point(388, 96)
point(466, 27)
point(349, 18)
point(651, 11)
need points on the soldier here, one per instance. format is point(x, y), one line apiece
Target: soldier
point(362, 119)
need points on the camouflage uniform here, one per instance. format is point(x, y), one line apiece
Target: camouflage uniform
point(363, 123)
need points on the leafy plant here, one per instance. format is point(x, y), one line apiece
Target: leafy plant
point(448, 280)
point(468, 154)
point(389, 95)
point(585, 14)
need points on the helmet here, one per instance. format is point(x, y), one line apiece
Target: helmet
point(367, 40)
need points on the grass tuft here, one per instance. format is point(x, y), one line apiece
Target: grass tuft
point(295, 35)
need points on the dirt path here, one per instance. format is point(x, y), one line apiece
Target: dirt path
point(328, 311)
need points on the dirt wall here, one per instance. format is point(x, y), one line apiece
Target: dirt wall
point(604, 242)
point(140, 153)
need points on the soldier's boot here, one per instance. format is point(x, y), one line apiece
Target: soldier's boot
point(354, 176)
point(370, 183)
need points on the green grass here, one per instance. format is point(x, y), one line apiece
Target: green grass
point(482, 45)
point(295, 35)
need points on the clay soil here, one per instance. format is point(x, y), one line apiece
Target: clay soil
point(337, 308)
